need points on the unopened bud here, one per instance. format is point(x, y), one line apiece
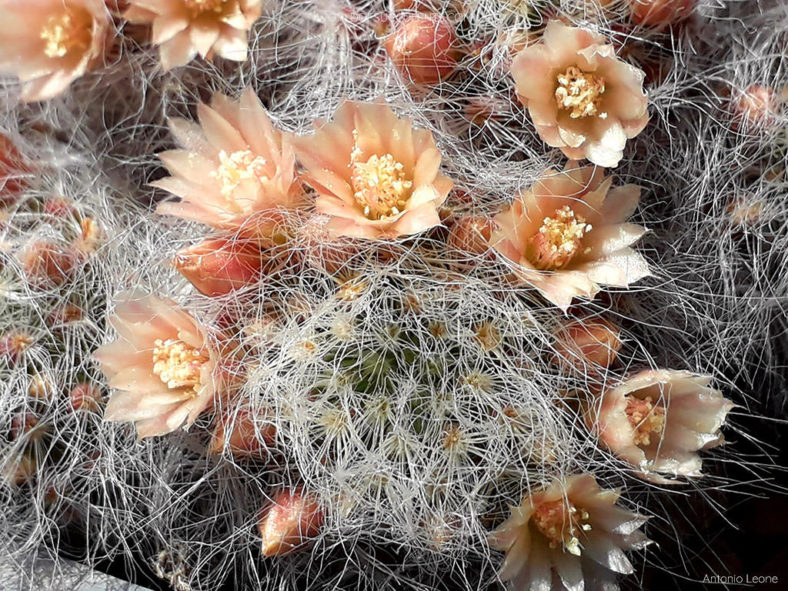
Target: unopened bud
point(40, 387)
point(289, 521)
point(85, 397)
point(65, 314)
point(217, 266)
point(754, 107)
point(660, 13)
point(242, 434)
point(472, 234)
point(46, 262)
point(423, 48)
point(588, 345)
point(12, 171)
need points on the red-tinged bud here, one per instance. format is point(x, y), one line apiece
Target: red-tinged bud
point(245, 432)
point(85, 397)
point(48, 263)
point(14, 344)
point(13, 171)
point(472, 234)
point(289, 521)
point(755, 107)
point(217, 266)
point(423, 47)
point(745, 211)
point(588, 345)
point(660, 13)
point(65, 314)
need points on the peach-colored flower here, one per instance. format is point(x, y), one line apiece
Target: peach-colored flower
point(50, 43)
point(658, 420)
point(568, 234)
point(234, 170)
point(161, 365)
point(375, 175)
point(572, 528)
point(581, 97)
point(184, 28)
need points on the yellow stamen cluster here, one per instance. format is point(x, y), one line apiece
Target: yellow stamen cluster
point(65, 32)
point(199, 7)
point(647, 419)
point(579, 92)
point(558, 240)
point(177, 364)
point(561, 523)
point(237, 167)
point(380, 185)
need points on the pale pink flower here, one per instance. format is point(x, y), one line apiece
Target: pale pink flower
point(48, 44)
point(184, 28)
point(581, 97)
point(161, 366)
point(568, 234)
point(658, 420)
point(572, 528)
point(235, 169)
point(376, 177)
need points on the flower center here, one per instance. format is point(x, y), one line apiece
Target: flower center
point(647, 419)
point(66, 32)
point(198, 7)
point(237, 167)
point(380, 185)
point(177, 364)
point(579, 92)
point(561, 523)
point(557, 241)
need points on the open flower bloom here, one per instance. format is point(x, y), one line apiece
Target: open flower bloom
point(234, 171)
point(568, 234)
point(50, 43)
point(581, 97)
point(184, 28)
point(161, 366)
point(658, 420)
point(376, 177)
point(573, 528)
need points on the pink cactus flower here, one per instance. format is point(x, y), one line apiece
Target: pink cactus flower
point(568, 234)
point(235, 170)
point(48, 44)
point(376, 177)
point(572, 528)
point(161, 366)
point(184, 28)
point(658, 421)
point(580, 96)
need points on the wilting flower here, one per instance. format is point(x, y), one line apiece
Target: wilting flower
point(234, 170)
point(658, 420)
point(289, 521)
point(50, 43)
point(184, 28)
point(568, 234)
point(375, 175)
point(581, 97)
point(161, 366)
point(572, 528)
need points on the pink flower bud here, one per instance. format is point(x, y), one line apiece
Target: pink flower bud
point(14, 344)
point(46, 262)
point(12, 171)
point(240, 434)
point(65, 314)
point(472, 234)
point(217, 266)
point(660, 13)
point(588, 345)
point(85, 397)
point(59, 207)
point(289, 521)
point(423, 48)
point(754, 107)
